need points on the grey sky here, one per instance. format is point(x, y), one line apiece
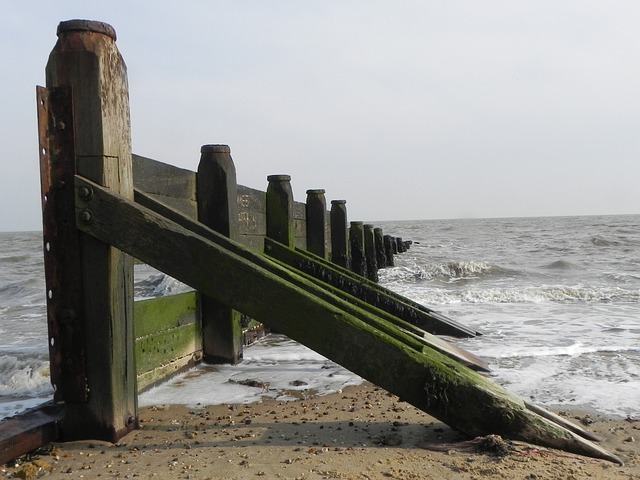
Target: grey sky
point(406, 109)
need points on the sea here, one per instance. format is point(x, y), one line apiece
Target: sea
point(557, 300)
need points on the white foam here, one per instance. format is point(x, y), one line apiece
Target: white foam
point(277, 368)
point(28, 377)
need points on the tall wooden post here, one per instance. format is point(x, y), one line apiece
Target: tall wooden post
point(381, 259)
point(356, 246)
point(316, 206)
point(86, 60)
point(280, 210)
point(217, 194)
point(339, 233)
point(370, 253)
point(388, 249)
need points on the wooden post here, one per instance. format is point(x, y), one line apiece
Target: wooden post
point(370, 253)
point(86, 59)
point(217, 196)
point(381, 259)
point(400, 245)
point(388, 250)
point(339, 233)
point(316, 233)
point(280, 210)
point(356, 244)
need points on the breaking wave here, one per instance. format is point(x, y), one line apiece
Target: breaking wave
point(24, 376)
point(449, 272)
point(529, 295)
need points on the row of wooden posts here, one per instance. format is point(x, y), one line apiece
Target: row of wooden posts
point(245, 250)
point(212, 196)
point(103, 346)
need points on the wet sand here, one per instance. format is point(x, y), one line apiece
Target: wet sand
point(361, 433)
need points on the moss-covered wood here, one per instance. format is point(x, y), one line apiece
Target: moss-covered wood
point(429, 380)
point(162, 372)
point(409, 334)
point(153, 315)
point(401, 330)
point(370, 292)
point(167, 345)
point(87, 59)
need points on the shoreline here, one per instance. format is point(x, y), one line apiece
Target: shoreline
point(362, 432)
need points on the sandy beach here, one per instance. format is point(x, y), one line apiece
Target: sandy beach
point(361, 433)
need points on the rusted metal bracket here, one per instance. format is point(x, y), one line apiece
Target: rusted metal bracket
point(61, 244)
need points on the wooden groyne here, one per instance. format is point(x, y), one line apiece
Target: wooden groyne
point(252, 257)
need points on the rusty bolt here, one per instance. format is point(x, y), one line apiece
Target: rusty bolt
point(85, 192)
point(85, 216)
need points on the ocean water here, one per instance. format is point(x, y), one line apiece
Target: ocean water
point(556, 298)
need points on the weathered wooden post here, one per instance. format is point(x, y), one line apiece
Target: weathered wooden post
point(339, 233)
point(316, 207)
point(280, 210)
point(356, 244)
point(400, 245)
point(370, 253)
point(381, 259)
point(388, 250)
point(90, 317)
point(217, 196)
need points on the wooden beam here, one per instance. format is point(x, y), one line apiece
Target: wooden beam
point(29, 430)
point(86, 59)
point(383, 298)
point(222, 336)
point(429, 380)
point(316, 226)
point(339, 234)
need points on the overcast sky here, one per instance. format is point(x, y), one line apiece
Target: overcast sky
point(406, 109)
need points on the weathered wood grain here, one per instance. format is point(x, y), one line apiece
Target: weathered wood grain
point(87, 59)
point(429, 380)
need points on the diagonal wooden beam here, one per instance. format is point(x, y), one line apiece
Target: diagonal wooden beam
point(428, 380)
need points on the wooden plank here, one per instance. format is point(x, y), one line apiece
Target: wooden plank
point(166, 346)
point(162, 373)
point(252, 212)
point(152, 315)
point(167, 184)
point(428, 380)
point(29, 430)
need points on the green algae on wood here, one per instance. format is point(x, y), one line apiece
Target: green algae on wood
point(428, 380)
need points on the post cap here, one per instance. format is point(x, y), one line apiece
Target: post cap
point(215, 149)
point(357, 223)
point(78, 25)
point(338, 202)
point(316, 191)
point(279, 178)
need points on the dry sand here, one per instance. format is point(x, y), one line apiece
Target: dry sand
point(361, 433)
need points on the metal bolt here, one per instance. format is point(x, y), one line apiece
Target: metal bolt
point(85, 192)
point(85, 216)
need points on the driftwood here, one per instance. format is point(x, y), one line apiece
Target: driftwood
point(427, 379)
